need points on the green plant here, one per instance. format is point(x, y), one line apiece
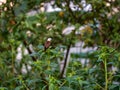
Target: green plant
point(101, 30)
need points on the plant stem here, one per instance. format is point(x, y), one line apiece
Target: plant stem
point(99, 85)
point(65, 63)
point(25, 85)
point(106, 76)
point(13, 60)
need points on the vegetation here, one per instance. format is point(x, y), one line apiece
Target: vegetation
point(101, 29)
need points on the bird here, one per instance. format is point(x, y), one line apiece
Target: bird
point(47, 44)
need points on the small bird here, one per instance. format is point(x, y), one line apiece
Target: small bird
point(47, 43)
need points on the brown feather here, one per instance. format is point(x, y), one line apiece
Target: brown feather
point(47, 44)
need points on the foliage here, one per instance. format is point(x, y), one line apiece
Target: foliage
point(101, 29)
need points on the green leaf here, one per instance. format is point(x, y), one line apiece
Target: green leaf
point(114, 87)
point(19, 87)
point(65, 88)
point(3, 88)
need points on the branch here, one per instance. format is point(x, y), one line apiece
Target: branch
point(68, 6)
point(65, 61)
point(29, 51)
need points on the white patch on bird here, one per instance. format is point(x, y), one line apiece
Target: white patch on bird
point(49, 39)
